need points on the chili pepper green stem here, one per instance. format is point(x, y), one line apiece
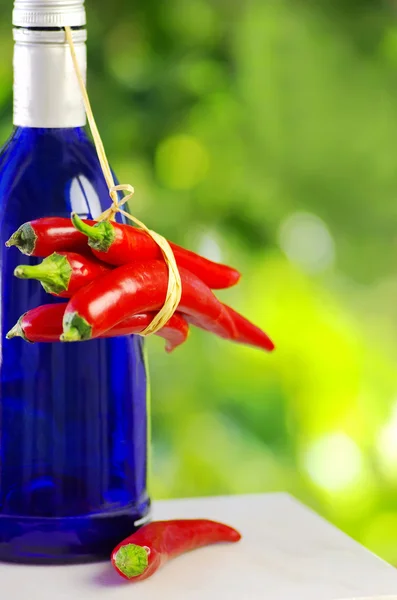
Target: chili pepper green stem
point(17, 331)
point(53, 272)
point(71, 335)
point(100, 236)
point(24, 239)
point(131, 560)
point(75, 328)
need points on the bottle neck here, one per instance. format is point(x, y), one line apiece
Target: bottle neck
point(46, 90)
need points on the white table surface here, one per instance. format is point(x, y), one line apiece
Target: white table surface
point(287, 553)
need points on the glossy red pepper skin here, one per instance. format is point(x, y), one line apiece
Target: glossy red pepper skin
point(164, 540)
point(44, 324)
point(63, 273)
point(84, 269)
point(140, 287)
point(246, 332)
point(42, 237)
point(129, 244)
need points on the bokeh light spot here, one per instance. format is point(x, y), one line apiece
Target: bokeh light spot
point(334, 462)
point(203, 76)
point(209, 247)
point(307, 242)
point(181, 162)
point(192, 23)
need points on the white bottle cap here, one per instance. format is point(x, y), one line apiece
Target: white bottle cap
point(48, 13)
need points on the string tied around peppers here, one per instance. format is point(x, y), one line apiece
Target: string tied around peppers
point(174, 290)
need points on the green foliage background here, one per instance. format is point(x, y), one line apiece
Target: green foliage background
point(264, 133)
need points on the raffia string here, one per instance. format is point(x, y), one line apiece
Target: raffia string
point(174, 290)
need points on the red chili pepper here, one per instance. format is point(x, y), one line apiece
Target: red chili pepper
point(136, 288)
point(63, 273)
point(141, 554)
point(119, 244)
point(44, 324)
point(247, 332)
point(44, 236)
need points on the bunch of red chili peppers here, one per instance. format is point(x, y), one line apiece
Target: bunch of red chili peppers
point(115, 279)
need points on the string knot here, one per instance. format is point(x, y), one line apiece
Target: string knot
point(117, 202)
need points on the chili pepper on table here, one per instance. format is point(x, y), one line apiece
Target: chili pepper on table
point(135, 288)
point(44, 324)
point(63, 273)
point(119, 244)
point(42, 237)
point(144, 552)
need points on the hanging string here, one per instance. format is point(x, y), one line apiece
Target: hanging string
point(174, 290)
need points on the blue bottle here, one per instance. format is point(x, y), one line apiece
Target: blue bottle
point(73, 417)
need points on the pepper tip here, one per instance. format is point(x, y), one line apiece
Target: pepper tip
point(15, 239)
point(24, 239)
point(20, 272)
point(17, 331)
point(77, 222)
point(14, 332)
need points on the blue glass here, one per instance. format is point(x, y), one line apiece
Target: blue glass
point(73, 421)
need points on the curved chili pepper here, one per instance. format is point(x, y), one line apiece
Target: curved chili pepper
point(144, 552)
point(246, 332)
point(119, 244)
point(63, 273)
point(44, 324)
point(135, 288)
point(42, 237)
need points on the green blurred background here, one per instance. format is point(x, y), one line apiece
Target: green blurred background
point(263, 133)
